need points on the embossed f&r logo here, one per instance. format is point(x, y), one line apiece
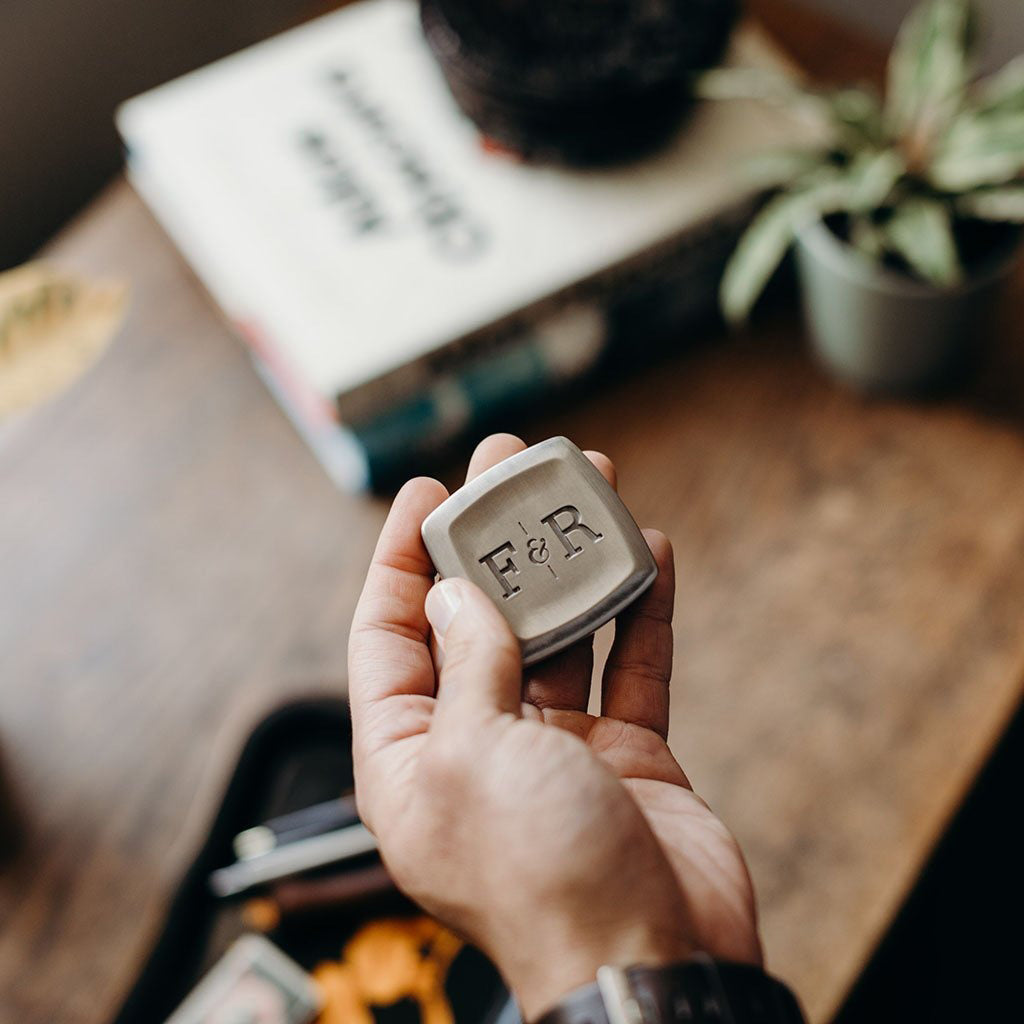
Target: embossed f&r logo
point(563, 523)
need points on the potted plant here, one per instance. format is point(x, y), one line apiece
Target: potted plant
point(904, 212)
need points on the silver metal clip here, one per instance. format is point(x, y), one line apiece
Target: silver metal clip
point(620, 1004)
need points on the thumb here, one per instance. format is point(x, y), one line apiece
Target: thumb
point(482, 666)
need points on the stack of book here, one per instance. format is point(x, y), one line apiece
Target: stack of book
point(399, 284)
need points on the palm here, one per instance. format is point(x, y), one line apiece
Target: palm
point(705, 857)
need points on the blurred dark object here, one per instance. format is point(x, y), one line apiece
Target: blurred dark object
point(313, 896)
point(953, 953)
point(582, 82)
point(298, 756)
point(294, 858)
point(12, 819)
point(287, 828)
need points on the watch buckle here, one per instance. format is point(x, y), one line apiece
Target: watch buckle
point(621, 1005)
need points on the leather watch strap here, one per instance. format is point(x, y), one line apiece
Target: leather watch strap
point(698, 991)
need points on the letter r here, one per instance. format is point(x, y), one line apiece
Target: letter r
point(562, 530)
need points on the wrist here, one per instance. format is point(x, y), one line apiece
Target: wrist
point(697, 989)
point(540, 975)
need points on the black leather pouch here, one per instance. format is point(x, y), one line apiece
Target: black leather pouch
point(298, 756)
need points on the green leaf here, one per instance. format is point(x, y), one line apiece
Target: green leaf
point(858, 116)
point(749, 84)
point(862, 186)
point(921, 231)
point(849, 118)
point(929, 67)
point(998, 204)
point(867, 237)
point(766, 240)
point(1003, 91)
point(769, 87)
point(980, 149)
point(776, 167)
point(871, 178)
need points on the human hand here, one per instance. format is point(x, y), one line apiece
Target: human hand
point(554, 840)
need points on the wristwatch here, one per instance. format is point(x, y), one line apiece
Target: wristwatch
point(697, 991)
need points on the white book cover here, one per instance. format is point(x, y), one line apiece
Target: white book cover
point(338, 205)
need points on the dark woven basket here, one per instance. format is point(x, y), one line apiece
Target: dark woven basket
point(579, 81)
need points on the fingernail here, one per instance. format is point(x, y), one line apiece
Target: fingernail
point(442, 603)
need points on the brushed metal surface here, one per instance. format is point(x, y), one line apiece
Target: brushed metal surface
point(548, 539)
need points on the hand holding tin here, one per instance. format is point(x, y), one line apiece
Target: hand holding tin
point(555, 840)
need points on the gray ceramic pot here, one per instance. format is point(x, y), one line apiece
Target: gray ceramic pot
point(882, 331)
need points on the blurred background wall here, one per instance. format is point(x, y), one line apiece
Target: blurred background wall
point(65, 64)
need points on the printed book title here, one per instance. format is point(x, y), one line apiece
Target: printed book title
point(455, 233)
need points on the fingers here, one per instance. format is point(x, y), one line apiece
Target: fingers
point(639, 667)
point(562, 682)
point(498, 447)
point(604, 466)
point(492, 450)
point(481, 670)
point(388, 652)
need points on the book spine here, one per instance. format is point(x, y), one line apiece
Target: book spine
point(382, 452)
point(497, 383)
point(337, 449)
point(517, 372)
point(514, 366)
point(697, 253)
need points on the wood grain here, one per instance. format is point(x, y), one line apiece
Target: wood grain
point(174, 565)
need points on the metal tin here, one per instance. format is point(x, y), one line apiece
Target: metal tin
point(546, 537)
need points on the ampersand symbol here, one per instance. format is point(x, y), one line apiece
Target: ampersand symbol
point(537, 550)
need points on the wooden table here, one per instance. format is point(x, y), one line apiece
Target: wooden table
point(174, 564)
